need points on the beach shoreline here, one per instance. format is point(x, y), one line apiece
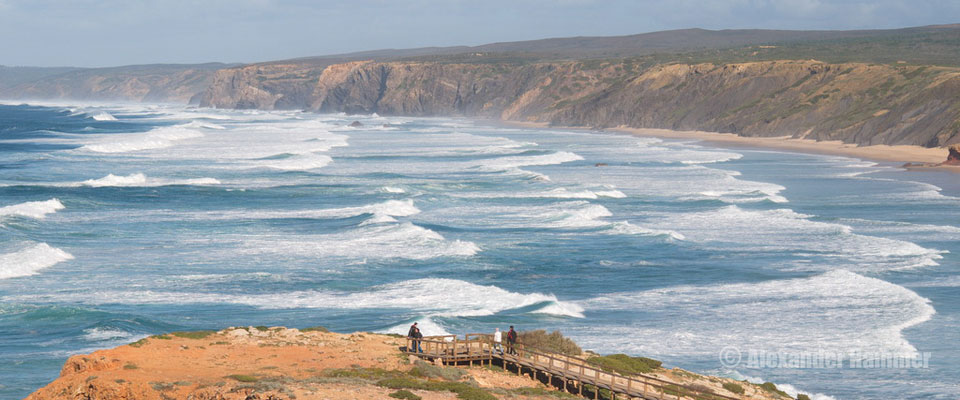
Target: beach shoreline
point(920, 158)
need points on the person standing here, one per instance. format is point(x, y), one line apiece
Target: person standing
point(497, 340)
point(419, 339)
point(412, 335)
point(512, 341)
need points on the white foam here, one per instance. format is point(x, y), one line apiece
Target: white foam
point(837, 311)
point(103, 116)
point(626, 228)
point(509, 163)
point(430, 296)
point(784, 230)
point(30, 260)
point(402, 240)
point(789, 389)
point(105, 334)
point(428, 327)
point(557, 193)
point(391, 189)
point(301, 162)
point(141, 180)
point(32, 209)
point(157, 138)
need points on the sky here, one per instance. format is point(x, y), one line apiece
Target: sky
point(97, 33)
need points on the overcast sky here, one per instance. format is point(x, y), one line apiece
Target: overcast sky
point(122, 32)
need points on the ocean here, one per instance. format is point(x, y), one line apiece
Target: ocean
point(826, 275)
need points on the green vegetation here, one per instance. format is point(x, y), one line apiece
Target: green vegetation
point(553, 342)
point(463, 390)
point(193, 334)
point(261, 328)
point(771, 387)
point(404, 394)
point(130, 366)
point(425, 370)
point(361, 373)
point(161, 337)
point(802, 396)
point(315, 329)
point(529, 391)
point(243, 378)
point(162, 386)
point(733, 387)
point(139, 343)
point(624, 364)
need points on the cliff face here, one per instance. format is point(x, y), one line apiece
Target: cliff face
point(856, 103)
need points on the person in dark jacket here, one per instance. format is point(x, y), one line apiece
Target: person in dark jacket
point(414, 334)
point(512, 341)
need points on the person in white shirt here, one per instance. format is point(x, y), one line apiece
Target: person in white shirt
point(497, 339)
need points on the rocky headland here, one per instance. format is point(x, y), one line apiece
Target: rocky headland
point(279, 363)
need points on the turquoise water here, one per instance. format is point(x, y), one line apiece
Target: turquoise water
point(117, 222)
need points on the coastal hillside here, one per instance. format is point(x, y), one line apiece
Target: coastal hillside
point(865, 104)
point(260, 363)
point(160, 83)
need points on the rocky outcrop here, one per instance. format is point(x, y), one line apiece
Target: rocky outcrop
point(954, 157)
point(855, 103)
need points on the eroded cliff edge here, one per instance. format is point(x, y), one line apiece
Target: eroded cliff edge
point(260, 363)
point(864, 104)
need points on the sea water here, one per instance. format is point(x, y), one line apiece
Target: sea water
point(118, 222)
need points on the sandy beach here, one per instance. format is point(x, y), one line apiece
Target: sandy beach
point(898, 154)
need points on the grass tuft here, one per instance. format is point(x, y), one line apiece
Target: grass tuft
point(243, 378)
point(193, 334)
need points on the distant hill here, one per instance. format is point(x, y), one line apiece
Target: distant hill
point(146, 83)
point(896, 86)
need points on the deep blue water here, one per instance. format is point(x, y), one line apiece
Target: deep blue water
point(118, 222)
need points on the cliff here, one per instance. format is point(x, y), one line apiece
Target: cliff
point(865, 104)
point(278, 363)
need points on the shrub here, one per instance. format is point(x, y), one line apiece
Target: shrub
point(733, 387)
point(404, 394)
point(360, 373)
point(541, 392)
point(243, 378)
point(426, 370)
point(130, 366)
point(464, 391)
point(771, 387)
point(261, 328)
point(139, 343)
point(553, 342)
point(315, 329)
point(802, 396)
point(193, 335)
point(624, 364)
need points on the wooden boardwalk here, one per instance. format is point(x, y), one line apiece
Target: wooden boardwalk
point(564, 372)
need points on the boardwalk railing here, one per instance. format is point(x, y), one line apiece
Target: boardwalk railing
point(480, 347)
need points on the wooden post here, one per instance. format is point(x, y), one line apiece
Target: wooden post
point(596, 392)
point(580, 388)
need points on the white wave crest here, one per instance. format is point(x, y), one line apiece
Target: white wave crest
point(509, 163)
point(30, 260)
point(432, 298)
point(403, 240)
point(103, 116)
point(155, 139)
point(391, 189)
point(837, 311)
point(787, 231)
point(32, 209)
point(301, 162)
point(141, 180)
